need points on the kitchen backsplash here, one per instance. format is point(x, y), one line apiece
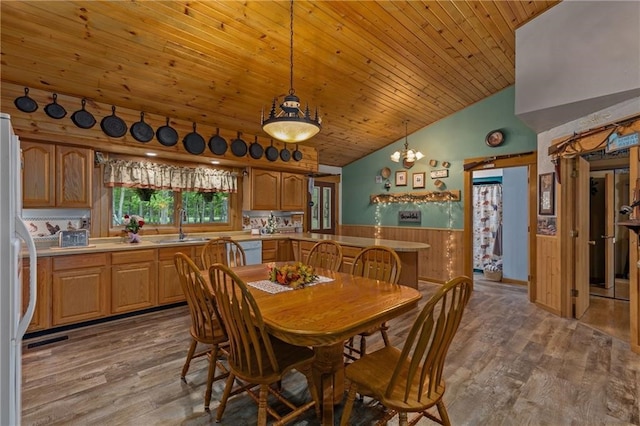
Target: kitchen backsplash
point(44, 224)
point(285, 221)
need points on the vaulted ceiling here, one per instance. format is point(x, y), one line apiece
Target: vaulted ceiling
point(366, 65)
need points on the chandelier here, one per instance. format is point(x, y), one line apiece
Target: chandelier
point(291, 124)
point(408, 156)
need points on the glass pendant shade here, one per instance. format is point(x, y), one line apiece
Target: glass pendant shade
point(407, 156)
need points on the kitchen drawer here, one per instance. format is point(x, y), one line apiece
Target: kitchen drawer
point(79, 261)
point(136, 256)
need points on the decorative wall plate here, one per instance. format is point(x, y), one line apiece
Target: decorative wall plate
point(494, 138)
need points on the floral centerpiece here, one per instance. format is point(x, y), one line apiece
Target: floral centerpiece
point(295, 276)
point(132, 225)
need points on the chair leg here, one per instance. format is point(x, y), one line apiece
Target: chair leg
point(210, 376)
point(363, 346)
point(262, 405)
point(225, 396)
point(192, 350)
point(308, 373)
point(442, 410)
point(402, 418)
point(348, 405)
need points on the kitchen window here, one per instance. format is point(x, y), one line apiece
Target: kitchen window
point(158, 207)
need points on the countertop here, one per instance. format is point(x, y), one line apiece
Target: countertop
point(99, 245)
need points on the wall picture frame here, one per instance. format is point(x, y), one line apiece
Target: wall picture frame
point(401, 178)
point(546, 194)
point(418, 180)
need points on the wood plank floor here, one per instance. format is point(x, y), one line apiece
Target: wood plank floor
point(511, 363)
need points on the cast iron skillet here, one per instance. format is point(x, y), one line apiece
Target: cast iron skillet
point(112, 125)
point(167, 135)
point(239, 147)
point(25, 103)
point(297, 155)
point(256, 150)
point(271, 152)
point(83, 118)
point(217, 144)
point(54, 109)
point(141, 131)
point(285, 154)
point(193, 142)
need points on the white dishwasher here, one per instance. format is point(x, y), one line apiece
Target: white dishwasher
point(252, 251)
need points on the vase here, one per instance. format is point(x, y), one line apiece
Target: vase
point(134, 238)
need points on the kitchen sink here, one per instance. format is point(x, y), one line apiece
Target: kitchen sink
point(184, 240)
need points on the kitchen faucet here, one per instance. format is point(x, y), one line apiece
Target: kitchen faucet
point(182, 216)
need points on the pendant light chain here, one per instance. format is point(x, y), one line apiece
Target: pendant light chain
point(291, 90)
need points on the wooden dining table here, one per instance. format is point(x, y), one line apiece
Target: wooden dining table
point(325, 315)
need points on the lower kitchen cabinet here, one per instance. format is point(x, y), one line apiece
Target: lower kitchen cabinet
point(169, 287)
point(41, 315)
point(269, 251)
point(79, 288)
point(133, 281)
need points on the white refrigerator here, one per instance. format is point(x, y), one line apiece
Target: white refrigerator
point(14, 239)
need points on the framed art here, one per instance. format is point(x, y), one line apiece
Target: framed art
point(547, 198)
point(401, 178)
point(418, 180)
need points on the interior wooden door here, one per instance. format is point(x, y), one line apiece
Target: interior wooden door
point(322, 212)
point(581, 275)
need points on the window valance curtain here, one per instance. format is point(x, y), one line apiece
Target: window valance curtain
point(134, 174)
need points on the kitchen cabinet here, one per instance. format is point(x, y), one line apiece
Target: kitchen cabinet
point(169, 287)
point(41, 316)
point(79, 288)
point(348, 257)
point(271, 190)
point(56, 175)
point(133, 280)
point(269, 251)
point(277, 251)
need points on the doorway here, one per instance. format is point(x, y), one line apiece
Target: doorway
point(608, 242)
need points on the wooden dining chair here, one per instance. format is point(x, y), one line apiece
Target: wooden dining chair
point(256, 357)
point(205, 328)
point(411, 380)
point(325, 254)
point(378, 263)
point(222, 250)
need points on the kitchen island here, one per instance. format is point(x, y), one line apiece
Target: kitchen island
point(110, 278)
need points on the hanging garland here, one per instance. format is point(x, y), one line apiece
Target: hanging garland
point(416, 197)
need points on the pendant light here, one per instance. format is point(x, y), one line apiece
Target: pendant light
point(408, 156)
point(291, 124)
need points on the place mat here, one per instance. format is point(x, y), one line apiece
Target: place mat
point(273, 288)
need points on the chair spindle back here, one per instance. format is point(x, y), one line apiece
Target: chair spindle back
point(326, 254)
point(378, 263)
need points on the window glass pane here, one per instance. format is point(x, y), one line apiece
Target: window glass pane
point(154, 206)
point(206, 207)
point(315, 216)
point(326, 208)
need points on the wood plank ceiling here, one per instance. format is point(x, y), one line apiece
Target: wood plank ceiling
point(366, 65)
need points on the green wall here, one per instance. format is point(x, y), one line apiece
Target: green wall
point(453, 139)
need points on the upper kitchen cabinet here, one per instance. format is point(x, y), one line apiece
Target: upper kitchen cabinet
point(56, 176)
point(271, 190)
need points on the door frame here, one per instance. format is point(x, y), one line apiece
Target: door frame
point(335, 180)
point(528, 160)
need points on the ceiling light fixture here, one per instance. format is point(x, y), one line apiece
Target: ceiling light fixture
point(291, 124)
point(408, 156)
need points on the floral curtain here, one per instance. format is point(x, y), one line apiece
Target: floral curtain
point(136, 174)
point(487, 224)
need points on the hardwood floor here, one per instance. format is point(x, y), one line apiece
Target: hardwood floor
point(511, 363)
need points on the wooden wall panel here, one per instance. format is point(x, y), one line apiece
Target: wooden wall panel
point(437, 264)
point(548, 291)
